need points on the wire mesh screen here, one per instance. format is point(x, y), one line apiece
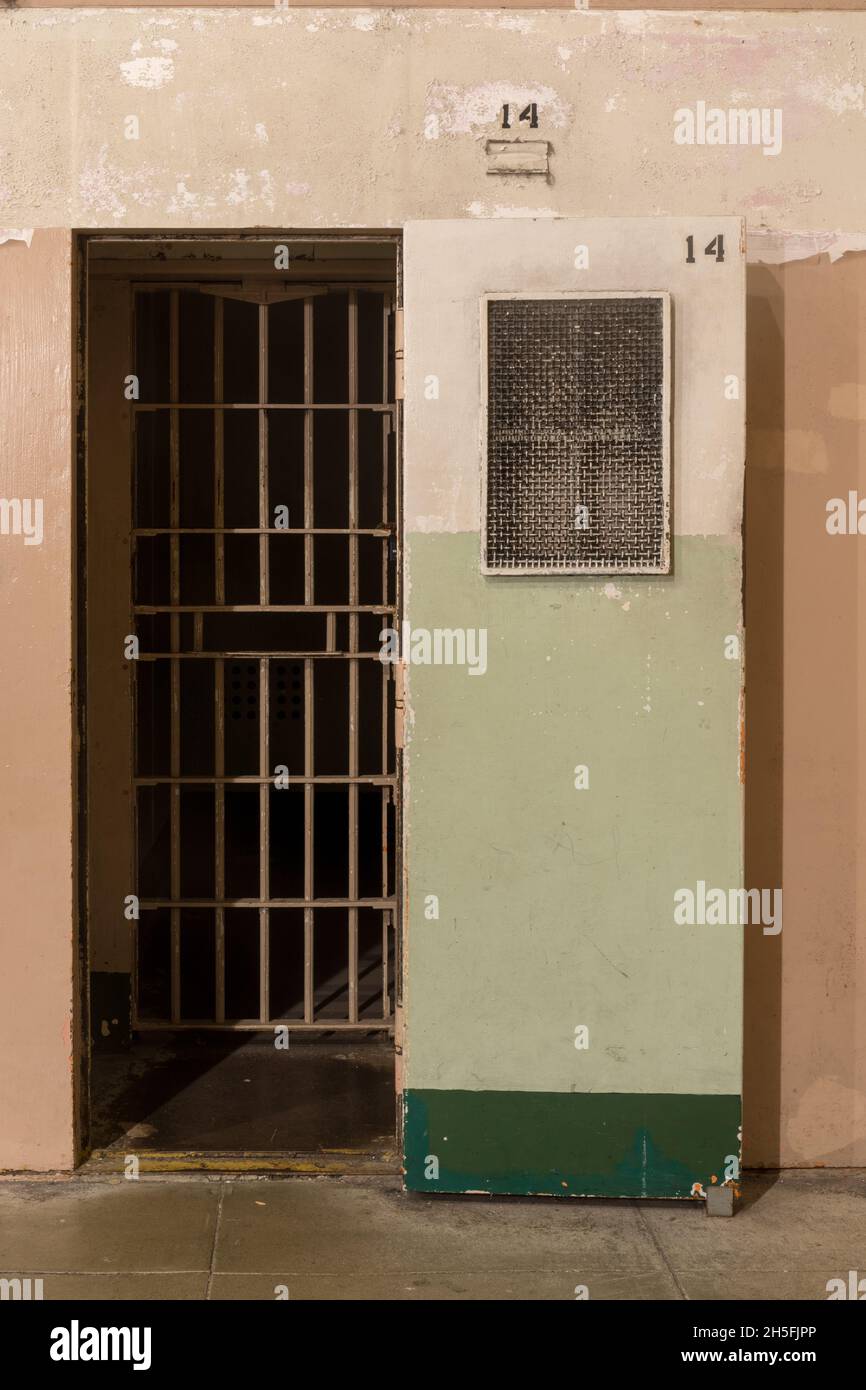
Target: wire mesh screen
point(576, 477)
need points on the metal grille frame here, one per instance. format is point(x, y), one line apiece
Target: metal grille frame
point(662, 564)
point(389, 411)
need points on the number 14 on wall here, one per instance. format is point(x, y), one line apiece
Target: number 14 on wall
point(714, 248)
point(529, 113)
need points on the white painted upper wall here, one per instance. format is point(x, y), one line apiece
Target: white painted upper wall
point(323, 118)
point(449, 266)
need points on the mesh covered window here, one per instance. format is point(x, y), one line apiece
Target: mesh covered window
point(577, 449)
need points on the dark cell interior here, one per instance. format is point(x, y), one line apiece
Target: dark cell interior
point(263, 815)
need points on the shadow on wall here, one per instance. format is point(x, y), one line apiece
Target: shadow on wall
point(763, 565)
point(805, 989)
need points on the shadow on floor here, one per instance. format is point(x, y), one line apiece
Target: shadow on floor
point(171, 1093)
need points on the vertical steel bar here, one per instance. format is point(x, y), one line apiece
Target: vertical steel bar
point(264, 680)
point(386, 545)
point(264, 841)
point(386, 317)
point(353, 648)
point(219, 453)
point(308, 451)
point(264, 539)
point(309, 885)
point(386, 669)
point(386, 995)
point(132, 356)
point(219, 837)
point(309, 591)
point(219, 665)
point(396, 505)
point(174, 621)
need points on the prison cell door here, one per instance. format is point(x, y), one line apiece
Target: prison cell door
point(574, 444)
point(264, 514)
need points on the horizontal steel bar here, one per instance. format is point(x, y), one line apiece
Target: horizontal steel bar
point(384, 532)
point(293, 655)
point(310, 277)
point(146, 236)
point(254, 1025)
point(381, 904)
point(145, 608)
point(374, 273)
point(144, 406)
point(375, 779)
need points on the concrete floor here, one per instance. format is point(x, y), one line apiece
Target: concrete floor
point(177, 1092)
point(362, 1238)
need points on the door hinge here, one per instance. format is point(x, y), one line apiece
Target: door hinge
point(398, 355)
point(399, 704)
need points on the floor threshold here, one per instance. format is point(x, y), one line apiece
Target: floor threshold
point(334, 1162)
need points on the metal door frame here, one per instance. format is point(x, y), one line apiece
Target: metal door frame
point(174, 274)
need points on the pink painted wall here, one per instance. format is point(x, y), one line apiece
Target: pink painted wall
point(805, 1034)
point(805, 1000)
point(37, 1101)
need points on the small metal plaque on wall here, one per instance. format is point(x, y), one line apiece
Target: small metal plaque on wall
point(518, 157)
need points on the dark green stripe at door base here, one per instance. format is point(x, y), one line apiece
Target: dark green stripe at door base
point(567, 1144)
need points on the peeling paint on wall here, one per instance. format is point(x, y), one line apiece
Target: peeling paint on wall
point(462, 110)
point(24, 234)
point(775, 247)
point(479, 208)
point(204, 84)
point(147, 72)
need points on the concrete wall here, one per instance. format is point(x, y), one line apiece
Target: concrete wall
point(324, 119)
point(805, 1044)
point(37, 733)
point(692, 5)
point(321, 118)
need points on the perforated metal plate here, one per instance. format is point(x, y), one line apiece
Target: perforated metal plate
point(577, 475)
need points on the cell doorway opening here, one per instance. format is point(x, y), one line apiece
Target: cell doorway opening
point(242, 761)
